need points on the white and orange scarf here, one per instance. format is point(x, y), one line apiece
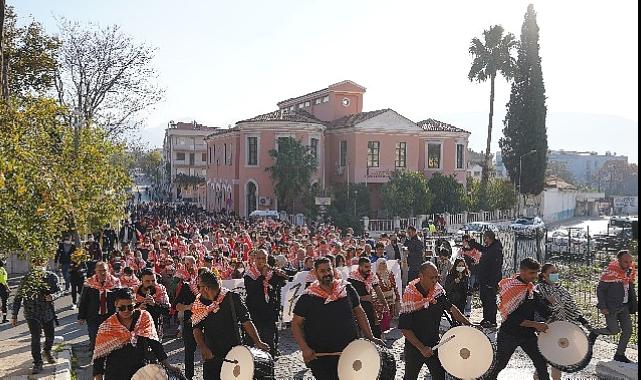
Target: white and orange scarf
point(109, 283)
point(200, 311)
point(129, 282)
point(160, 294)
point(255, 274)
point(112, 335)
point(614, 273)
point(473, 253)
point(413, 300)
point(512, 293)
point(339, 290)
point(369, 282)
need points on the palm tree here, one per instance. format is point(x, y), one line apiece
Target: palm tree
point(491, 57)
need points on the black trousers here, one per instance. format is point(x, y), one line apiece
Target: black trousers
point(36, 328)
point(414, 361)
point(92, 327)
point(267, 333)
point(190, 347)
point(76, 288)
point(506, 345)
point(488, 300)
point(211, 369)
point(324, 368)
point(4, 296)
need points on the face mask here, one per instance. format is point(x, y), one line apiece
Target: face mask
point(460, 269)
point(554, 278)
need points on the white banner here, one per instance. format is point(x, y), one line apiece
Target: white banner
point(294, 289)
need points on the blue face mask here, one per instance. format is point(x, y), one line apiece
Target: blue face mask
point(554, 278)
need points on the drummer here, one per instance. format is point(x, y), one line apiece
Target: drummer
point(115, 356)
point(215, 319)
point(366, 282)
point(424, 302)
point(325, 318)
point(519, 302)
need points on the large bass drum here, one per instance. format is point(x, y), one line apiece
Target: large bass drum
point(565, 346)
point(247, 363)
point(362, 359)
point(156, 372)
point(467, 353)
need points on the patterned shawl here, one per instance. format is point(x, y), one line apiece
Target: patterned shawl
point(129, 282)
point(110, 283)
point(369, 282)
point(159, 293)
point(413, 299)
point(512, 293)
point(339, 290)
point(254, 274)
point(474, 254)
point(200, 311)
point(112, 335)
point(614, 273)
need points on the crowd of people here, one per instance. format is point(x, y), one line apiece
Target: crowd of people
point(166, 264)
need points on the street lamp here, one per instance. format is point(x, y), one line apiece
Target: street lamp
point(521, 165)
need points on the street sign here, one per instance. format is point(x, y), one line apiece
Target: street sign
point(323, 201)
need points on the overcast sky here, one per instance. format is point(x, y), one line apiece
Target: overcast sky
point(223, 61)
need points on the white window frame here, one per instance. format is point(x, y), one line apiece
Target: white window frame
point(318, 101)
point(301, 105)
point(378, 155)
point(247, 165)
point(427, 154)
point(456, 155)
point(325, 98)
point(308, 103)
point(280, 135)
point(184, 156)
point(396, 157)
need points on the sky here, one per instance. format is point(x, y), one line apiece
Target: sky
point(224, 61)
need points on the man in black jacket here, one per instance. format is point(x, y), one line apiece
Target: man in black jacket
point(97, 300)
point(63, 258)
point(490, 271)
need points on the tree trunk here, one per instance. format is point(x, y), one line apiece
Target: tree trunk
point(4, 86)
point(487, 162)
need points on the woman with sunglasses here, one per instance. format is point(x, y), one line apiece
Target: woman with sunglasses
point(124, 339)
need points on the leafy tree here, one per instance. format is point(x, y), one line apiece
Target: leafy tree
point(29, 58)
point(448, 194)
point(292, 171)
point(502, 195)
point(349, 205)
point(492, 56)
point(560, 169)
point(617, 177)
point(406, 194)
point(46, 185)
point(150, 162)
point(4, 93)
point(106, 76)
point(524, 125)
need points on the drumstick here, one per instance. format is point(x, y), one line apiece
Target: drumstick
point(443, 342)
point(328, 354)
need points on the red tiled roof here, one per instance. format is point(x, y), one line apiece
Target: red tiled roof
point(323, 91)
point(286, 115)
point(351, 120)
point(433, 125)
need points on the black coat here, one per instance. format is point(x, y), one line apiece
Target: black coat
point(490, 267)
point(89, 305)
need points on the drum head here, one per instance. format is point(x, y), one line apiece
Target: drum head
point(359, 360)
point(151, 372)
point(563, 344)
point(469, 355)
point(243, 369)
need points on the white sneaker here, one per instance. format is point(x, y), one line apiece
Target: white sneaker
point(73, 306)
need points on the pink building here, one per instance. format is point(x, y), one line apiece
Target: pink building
point(351, 146)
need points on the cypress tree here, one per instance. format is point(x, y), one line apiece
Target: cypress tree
point(524, 125)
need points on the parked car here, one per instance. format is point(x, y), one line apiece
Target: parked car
point(474, 228)
point(525, 223)
point(273, 214)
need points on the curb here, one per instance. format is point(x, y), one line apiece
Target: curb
point(62, 369)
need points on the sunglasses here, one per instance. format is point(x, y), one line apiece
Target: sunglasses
point(129, 307)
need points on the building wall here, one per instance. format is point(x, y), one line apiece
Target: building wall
point(583, 165)
point(448, 155)
point(558, 205)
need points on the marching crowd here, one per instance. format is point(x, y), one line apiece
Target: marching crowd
point(165, 265)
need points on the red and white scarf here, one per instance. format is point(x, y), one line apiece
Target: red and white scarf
point(512, 293)
point(369, 282)
point(160, 294)
point(200, 311)
point(255, 274)
point(109, 283)
point(131, 282)
point(614, 273)
point(112, 335)
point(339, 290)
point(473, 253)
point(413, 300)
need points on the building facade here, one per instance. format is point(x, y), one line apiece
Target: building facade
point(185, 159)
point(351, 146)
point(584, 165)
